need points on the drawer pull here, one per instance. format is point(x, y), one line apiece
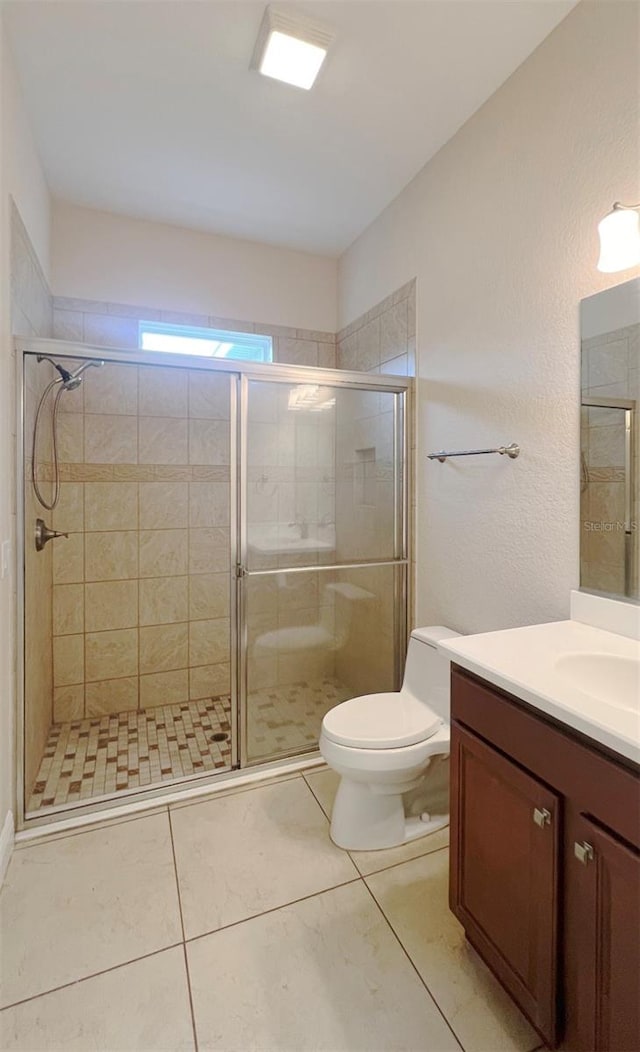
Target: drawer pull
point(583, 852)
point(542, 817)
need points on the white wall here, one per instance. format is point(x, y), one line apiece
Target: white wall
point(20, 176)
point(500, 230)
point(102, 256)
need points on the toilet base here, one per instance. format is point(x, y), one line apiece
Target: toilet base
point(366, 821)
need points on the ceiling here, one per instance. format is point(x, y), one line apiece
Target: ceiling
point(148, 107)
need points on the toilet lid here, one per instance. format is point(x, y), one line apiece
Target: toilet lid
point(380, 721)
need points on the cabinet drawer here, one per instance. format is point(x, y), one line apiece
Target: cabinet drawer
point(606, 788)
point(504, 873)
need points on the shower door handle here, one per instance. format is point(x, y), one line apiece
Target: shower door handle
point(241, 571)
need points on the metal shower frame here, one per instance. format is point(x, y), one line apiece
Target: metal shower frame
point(244, 372)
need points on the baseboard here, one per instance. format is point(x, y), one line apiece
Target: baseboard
point(6, 845)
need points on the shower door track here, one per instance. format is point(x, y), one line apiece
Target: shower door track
point(240, 373)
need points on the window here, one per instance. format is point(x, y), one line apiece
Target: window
point(211, 343)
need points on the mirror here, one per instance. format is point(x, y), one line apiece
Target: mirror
point(610, 442)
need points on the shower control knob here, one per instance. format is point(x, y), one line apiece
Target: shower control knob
point(44, 534)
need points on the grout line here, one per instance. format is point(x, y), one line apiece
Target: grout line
point(93, 975)
point(315, 796)
point(406, 953)
point(184, 946)
point(274, 909)
point(402, 862)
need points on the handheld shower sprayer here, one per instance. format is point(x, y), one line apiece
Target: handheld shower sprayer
point(68, 382)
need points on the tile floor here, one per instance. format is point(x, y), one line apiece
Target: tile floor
point(234, 924)
point(107, 755)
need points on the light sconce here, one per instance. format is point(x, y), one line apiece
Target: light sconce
point(291, 49)
point(619, 238)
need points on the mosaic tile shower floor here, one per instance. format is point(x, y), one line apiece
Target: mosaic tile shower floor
point(108, 754)
point(128, 750)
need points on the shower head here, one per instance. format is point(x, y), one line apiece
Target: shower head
point(70, 380)
point(73, 380)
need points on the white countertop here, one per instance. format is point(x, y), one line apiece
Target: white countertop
point(524, 662)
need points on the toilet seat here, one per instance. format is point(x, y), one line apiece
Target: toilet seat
point(380, 721)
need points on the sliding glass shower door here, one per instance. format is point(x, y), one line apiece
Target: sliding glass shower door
point(322, 560)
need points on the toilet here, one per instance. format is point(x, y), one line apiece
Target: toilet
point(381, 745)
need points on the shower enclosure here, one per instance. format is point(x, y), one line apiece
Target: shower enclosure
point(609, 552)
point(221, 557)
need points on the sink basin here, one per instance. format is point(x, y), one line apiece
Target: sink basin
point(610, 678)
point(278, 538)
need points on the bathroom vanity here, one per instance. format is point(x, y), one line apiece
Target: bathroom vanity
point(545, 828)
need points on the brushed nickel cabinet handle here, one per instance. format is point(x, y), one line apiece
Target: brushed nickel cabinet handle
point(542, 817)
point(584, 852)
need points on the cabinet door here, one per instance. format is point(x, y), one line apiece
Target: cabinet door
point(606, 873)
point(504, 879)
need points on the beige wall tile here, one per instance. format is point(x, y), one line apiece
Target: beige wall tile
point(209, 681)
point(110, 439)
point(209, 396)
point(68, 515)
point(110, 655)
point(68, 609)
point(111, 695)
point(209, 642)
point(164, 688)
point(162, 440)
point(112, 389)
point(67, 325)
point(297, 352)
point(111, 556)
point(111, 506)
point(208, 442)
point(162, 392)
point(68, 559)
point(68, 703)
point(70, 430)
point(208, 504)
point(68, 660)
point(104, 331)
point(208, 550)
point(163, 505)
point(164, 647)
point(163, 600)
point(164, 553)
point(394, 332)
point(111, 604)
point(208, 596)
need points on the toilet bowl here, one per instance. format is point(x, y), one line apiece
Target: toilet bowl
point(382, 745)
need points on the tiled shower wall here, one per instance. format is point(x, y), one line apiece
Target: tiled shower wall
point(141, 586)
point(116, 325)
point(32, 315)
point(381, 341)
point(610, 369)
point(384, 339)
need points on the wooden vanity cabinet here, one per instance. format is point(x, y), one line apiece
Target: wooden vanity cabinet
point(545, 867)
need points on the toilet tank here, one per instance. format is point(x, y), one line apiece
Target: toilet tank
point(428, 669)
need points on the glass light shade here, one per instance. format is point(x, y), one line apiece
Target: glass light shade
point(619, 240)
point(292, 60)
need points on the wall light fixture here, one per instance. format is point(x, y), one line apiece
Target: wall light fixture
point(619, 238)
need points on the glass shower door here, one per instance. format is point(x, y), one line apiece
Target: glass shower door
point(322, 573)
